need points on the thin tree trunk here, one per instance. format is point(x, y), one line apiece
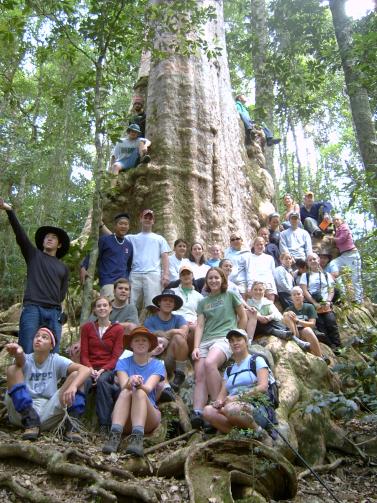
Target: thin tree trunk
point(358, 96)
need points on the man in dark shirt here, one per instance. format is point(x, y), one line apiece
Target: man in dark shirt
point(115, 254)
point(47, 279)
point(138, 114)
point(313, 213)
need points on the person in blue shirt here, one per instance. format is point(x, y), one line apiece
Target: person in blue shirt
point(115, 254)
point(135, 410)
point(173, 328)
point(313, 213)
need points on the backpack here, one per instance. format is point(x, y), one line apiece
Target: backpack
point(273, 390)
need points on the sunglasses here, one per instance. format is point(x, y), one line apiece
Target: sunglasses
point(236, 239)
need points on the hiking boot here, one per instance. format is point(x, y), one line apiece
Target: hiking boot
point(318, 234)
point(167, 395)
point(285, 335)
point(31, 422)
point(112, 443)
point(31, 433)
point(305, 346)
point(145, 159)
point(273, 141)
point(135, 444)
point(178, 380)
point(196, 419)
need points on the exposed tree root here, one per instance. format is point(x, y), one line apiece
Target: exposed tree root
point(56, 463)
point(30, 493)
point(168, 442)
point(322, 468)
point(124, 474)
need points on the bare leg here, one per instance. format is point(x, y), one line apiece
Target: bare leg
point(15, 375)
point(308, 335)
point(213, 361)
point(143, 413)
point(200, 389)
point(122, 408)
point(239, 415)
point(216, 419)
point(178, 348)
point(251, 324)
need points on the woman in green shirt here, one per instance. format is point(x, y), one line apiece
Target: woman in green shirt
point(217, 314)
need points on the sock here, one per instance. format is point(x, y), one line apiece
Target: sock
point(198, 411)
point(138, 429)
point(167, 386)
point(180, 366)
point(118, 428)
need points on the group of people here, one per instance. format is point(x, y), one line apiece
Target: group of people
point(203, 309)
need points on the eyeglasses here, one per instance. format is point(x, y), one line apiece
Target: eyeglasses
point(235, 239)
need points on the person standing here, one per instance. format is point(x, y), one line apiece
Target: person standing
point(150, 266)
point(46, 281)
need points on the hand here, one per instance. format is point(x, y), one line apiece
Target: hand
point(326, 217)
point(99, 372)
point(83, 275)
point(218, 404)
point(136, 381)
point(263, 319)
point(4, 205)
point(251, 309)
point(69, 395)
point(165, 281)
point(14, 349)
point(195, 355)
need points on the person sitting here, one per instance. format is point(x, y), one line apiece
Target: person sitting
point(328, 265)
point(269, 248)
point(294, 240)
point(217, 314)
point(312, 213)
point(198, 261)
point(190, 298)
point(178, 259)
point(290, 207)
point(240, 259)
point(233, 406)
point(130, 151)
point(268, 317)
point(300, 318)
point(115, 254)
point(262, 267)
point(299, 267)
point(33, 399)
point(318, 288)
point(101, 344)
point(135, 409)
point(138, 114)
point(215, 256)
point(274, 228)
point(174, 329)
point(250, 124)
point(349, 256)
point(284, 280)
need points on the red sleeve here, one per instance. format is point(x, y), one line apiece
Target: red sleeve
point(117, 346)
point(84, 345)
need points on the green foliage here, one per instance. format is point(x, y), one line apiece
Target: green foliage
point(336, 404)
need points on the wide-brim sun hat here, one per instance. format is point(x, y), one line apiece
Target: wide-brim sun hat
point(63, 238)
point(140, 331)
point(178, 302)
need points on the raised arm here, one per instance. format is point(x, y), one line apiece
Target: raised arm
point(21, 237)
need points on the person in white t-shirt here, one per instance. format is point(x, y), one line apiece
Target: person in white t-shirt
point(198, 261)
point(262, 267)
point(178, 259)
point(150, 266)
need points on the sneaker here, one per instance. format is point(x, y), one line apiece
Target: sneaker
point(285, 335)
point(145, 159)
point(72, 435)
point(112, 443)
point(305, 346)
point(135, 444)
point(196, 419)
point(30, 433)
point(167, 395)
point(178, 380)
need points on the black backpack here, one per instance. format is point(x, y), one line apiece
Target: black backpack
point(273, 390)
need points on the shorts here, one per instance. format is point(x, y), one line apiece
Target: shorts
point(50, 411)
point(107, 291)
point(219, 343)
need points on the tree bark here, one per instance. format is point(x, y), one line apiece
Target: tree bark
point(358, 96)
point(200, 182)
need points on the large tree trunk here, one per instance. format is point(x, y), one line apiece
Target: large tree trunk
point(359, 101)
point(264, 86)
point(200, 182)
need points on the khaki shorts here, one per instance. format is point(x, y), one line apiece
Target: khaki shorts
point(49, 410)
point(107, 291)
point(219, 343)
